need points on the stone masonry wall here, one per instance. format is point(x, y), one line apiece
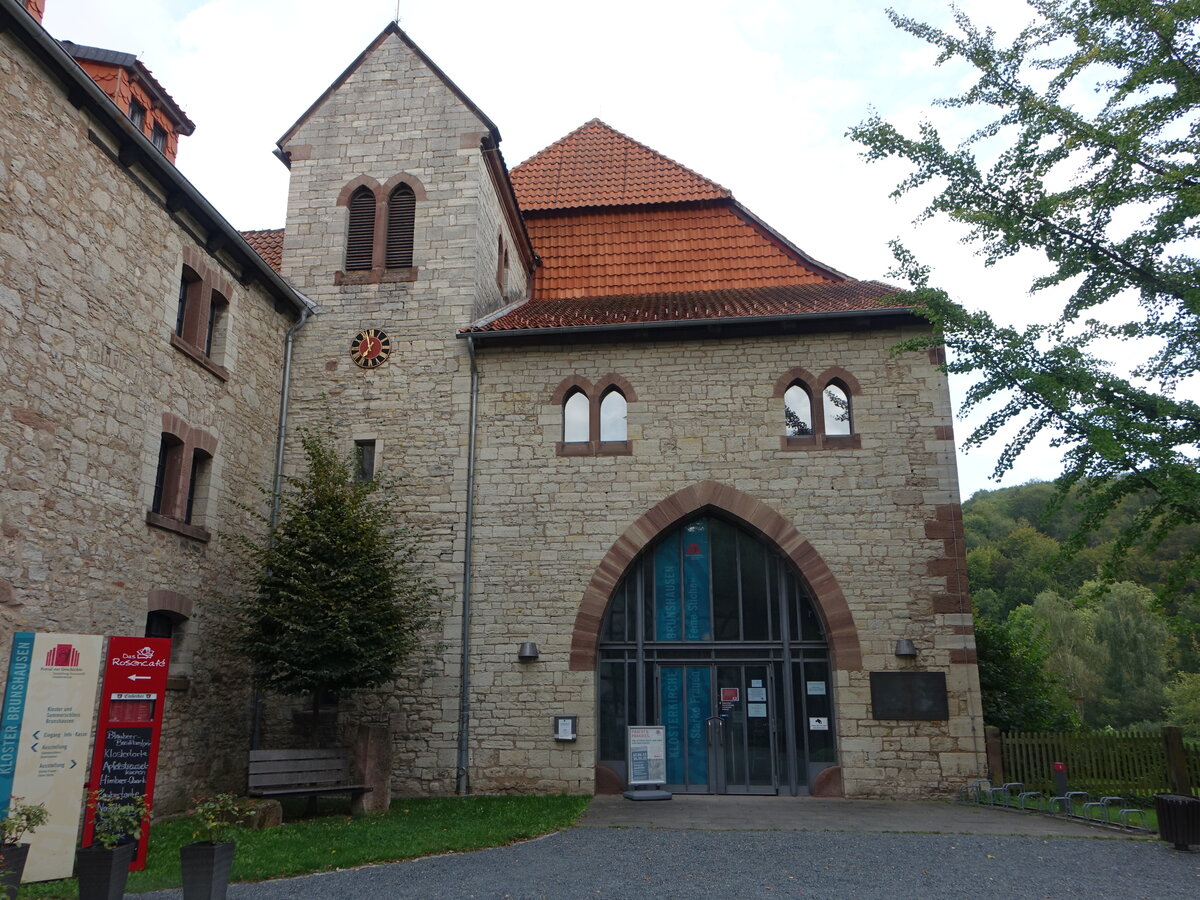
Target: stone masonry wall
point(90, 266)
point(880, 517)
point(394, 119)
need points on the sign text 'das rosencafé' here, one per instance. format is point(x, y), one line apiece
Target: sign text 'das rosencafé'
point(131, 715)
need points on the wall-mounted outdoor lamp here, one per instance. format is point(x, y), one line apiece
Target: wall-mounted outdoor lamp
point(905, 648)
point(527, 652)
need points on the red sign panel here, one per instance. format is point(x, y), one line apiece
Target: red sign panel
point(729, 695)
point(131, 711)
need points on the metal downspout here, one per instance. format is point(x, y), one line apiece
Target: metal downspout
point(463, 779)
point(281, 436)
point(277, 482)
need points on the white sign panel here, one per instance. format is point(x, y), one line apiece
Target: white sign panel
point(646, 749)
point(48, 717)
point(818, 723)
point(816, 688)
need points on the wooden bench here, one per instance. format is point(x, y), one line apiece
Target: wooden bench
point(292, 773)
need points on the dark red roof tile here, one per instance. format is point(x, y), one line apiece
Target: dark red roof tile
point(268, 243)
point(656, 250)
point(596, 165)
point(784, 300)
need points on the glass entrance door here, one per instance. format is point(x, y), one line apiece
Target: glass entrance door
point(720, 722)
point(714, 635)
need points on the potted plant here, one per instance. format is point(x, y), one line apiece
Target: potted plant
point(104, 866)
point(206, 862)
point(19, 820)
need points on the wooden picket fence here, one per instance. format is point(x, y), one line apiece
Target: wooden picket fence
point(1126, 764)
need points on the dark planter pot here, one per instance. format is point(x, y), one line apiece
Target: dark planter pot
point(12, 865)
point(206, 869)
point(1178, 819)
point(102, 873)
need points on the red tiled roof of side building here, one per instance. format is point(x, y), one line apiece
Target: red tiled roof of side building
point(267, 243)
point(596, 165)
point(95, 60)
point(647, 250)
point(769, 302)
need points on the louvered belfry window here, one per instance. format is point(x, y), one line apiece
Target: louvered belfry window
point(360, 236)
point(402, 211)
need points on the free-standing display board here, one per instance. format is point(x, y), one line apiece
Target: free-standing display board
point(131, 715)
point(646, 754)
point(49, 708)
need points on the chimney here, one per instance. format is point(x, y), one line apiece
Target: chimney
point(35, 8)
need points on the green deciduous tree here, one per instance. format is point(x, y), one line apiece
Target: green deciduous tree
point(1020, 566)
point(1020, 693)
point(1183, 703)
point(1092, 163)
point(334, 599)
point(1135, 643)
point(1075, 655)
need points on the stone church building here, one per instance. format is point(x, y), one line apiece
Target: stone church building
point(664, 464)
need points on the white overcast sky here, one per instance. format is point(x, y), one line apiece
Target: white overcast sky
point(754, 94)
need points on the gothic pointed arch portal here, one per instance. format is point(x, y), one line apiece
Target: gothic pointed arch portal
point(720, 623)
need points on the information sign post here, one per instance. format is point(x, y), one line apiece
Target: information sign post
point(45, 729)
point(131, 715)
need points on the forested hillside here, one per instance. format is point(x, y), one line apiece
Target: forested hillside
point(1060, 646)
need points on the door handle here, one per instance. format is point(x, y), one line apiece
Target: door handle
point(716, 725)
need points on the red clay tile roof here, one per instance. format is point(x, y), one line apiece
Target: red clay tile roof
point(786, 300)
point(597, 253)
point(81, 52)
point(268, 243)
point(596, 165)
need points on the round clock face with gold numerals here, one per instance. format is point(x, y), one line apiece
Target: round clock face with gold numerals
point(370, 348)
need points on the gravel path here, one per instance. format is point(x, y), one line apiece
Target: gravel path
point(634, 863)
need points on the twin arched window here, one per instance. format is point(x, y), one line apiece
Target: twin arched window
point(397, 216)
point(591, 426)
point(578, 419)
point(834, 407)
point(817, 416)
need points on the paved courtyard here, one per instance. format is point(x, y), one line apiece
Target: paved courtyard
point(719, 848)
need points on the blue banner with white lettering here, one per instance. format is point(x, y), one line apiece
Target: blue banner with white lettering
point(696, 615)
point(666, 591)
point(699, 705)
point(671, 685)
point(14, 710)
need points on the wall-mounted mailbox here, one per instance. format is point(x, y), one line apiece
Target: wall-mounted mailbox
point(564, 728)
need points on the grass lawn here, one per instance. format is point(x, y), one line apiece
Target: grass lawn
point(411, 828)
